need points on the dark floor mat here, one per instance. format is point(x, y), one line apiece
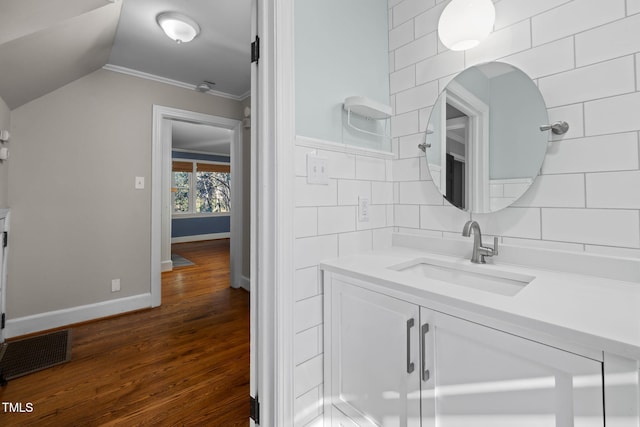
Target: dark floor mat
point(22, 357)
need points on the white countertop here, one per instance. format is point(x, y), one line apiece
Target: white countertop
point(566, 309)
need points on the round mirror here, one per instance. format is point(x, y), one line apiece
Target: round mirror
point(483, 145)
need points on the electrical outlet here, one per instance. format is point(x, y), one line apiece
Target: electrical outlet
point(115, 285)
point(363, 209)
point(317, 172)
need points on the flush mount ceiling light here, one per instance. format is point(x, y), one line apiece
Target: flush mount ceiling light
point(465, 23)
point(205, 86)
point(178, 27)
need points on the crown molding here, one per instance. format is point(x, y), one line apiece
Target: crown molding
point(159, 79)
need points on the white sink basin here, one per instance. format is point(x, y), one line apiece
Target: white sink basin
point(463, 273)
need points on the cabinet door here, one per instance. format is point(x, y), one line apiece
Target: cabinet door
point(374, 357)
point(482, 377)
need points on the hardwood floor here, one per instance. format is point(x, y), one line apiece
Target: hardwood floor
point(185, 363)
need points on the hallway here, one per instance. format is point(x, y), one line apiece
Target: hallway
point(184, 363)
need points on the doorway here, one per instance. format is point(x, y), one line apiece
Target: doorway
point(200, 194)
point(163, 118)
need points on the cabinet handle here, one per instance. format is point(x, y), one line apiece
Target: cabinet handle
point(410, 366)
point(425, 371)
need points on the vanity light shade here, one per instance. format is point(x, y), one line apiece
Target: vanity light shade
point(465, 23)
point(178, 27)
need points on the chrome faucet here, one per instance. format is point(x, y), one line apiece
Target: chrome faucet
point(479, 251)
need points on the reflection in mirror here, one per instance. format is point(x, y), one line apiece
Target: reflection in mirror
point(484, 146)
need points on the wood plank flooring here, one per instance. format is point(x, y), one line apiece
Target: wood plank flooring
point(185, 363)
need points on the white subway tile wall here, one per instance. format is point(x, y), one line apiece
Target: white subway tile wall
point(326, 226)
point(574, 17)
point(561, 50)
point(501, 43)
point(605, 79)
point(585, 57)
point(595, 45)
point(513, 11)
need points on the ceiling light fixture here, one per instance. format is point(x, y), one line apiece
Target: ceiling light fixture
point(465, 23)
point(178, 27)
point(205, 86)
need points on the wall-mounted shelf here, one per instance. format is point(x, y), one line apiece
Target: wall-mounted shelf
point(369, 109)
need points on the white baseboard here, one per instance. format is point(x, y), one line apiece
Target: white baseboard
point(245, 283)
point(166, 266)
point(68, 316)
point(199, 237)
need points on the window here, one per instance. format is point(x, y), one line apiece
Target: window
point(200, 187)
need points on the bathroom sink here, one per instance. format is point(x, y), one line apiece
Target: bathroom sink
point(463, 273)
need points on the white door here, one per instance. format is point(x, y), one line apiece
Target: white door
point(374, 357)
point(481, 377)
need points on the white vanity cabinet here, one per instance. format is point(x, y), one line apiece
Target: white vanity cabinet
point(391, 362)
point(483, 377)
point(373, 354)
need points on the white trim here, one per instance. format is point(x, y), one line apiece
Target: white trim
point(284, 132)
point(255, 354)
point(477, 164)
point(159, 79)
point(201, 237)
point(166, 266)
point(68, 316)
point(306, 141)
point(442, 180)
point(273, 190)
point(161, 207)
point(245, 283)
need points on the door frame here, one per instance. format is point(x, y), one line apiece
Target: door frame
point(273, 183)
point(161, 187)
point(477, 147)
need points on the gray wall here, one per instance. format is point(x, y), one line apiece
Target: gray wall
point(77, 221)
point(5, 120)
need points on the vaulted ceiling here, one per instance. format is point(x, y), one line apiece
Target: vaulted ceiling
point(46, 44)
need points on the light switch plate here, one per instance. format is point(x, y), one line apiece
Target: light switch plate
point(317, 172)
point(139, 182)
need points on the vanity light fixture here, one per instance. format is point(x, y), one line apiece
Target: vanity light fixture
point(178, 27)
point(465, 23)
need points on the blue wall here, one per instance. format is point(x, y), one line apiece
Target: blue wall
point(200, 225)
point(194, 226)
point(177, 155)
point(341, 50)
